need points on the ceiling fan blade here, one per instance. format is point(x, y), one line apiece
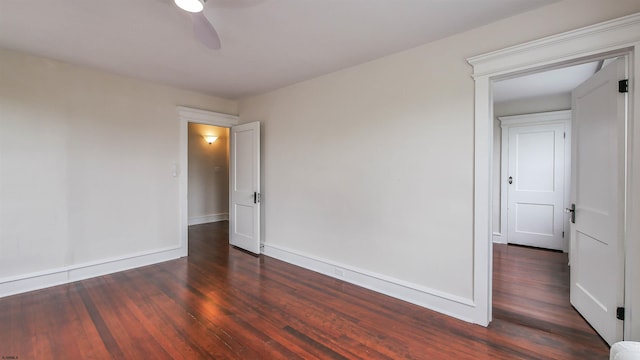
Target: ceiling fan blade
point(204, 31)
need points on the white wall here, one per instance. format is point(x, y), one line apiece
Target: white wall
point(86, 162)
point(533, 105)
point(390, 191)
point(517, 107)
point(208, 174)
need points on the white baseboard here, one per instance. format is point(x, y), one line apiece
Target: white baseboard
point(448, 304)
point(498, 238)
point(197, 220)
point(43, 279)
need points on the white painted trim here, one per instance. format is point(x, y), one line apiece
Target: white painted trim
point(207, 117)
point(618, 36)
point(482, 200)
point(504, 197)
point(43, 279)
point(439, 301)
point(567, 181)
point(497, 238)
point(594, 40)
point(507, 122)
point(632, 220)
point(185, 116)
point(535, 118)
point(204, 219)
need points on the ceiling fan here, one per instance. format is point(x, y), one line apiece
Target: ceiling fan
point(202, 28)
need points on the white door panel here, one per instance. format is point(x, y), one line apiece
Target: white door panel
point(244, 217)
point(597, 267)
point(536, 195)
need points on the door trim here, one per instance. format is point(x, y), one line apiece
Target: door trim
point(544, 118)
point(615, 37)
point(188, 115)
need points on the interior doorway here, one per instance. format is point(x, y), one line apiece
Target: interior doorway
point(533, 112)
point(196, 117)
point(521, 105)
point(208, 173)
point(244, 212)
point(607, 39)
point(602, 84)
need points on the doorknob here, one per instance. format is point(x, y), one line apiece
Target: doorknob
point(510, 180)
point(572, 211)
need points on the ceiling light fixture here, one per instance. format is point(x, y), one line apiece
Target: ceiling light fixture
point(194, 6)
point(210, 139)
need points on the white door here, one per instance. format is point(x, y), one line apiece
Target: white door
point(244, 217)
point(536, 183)
point(598, 158)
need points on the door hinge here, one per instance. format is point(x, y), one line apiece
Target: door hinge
point(623, 86)
point(563, 234)
point(620, 313)
point(564, 135)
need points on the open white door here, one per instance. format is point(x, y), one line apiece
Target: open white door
point(598, 191)
point(536, 186)
point(244, 214)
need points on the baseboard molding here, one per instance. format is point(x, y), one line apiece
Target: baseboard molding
point(448, 304)
point(44, 279)
point(497, 238)
point(197, 220)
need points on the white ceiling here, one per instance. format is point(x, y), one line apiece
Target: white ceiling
point(552, 82)
point(266, 44)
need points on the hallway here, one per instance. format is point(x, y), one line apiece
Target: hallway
point(531, 298)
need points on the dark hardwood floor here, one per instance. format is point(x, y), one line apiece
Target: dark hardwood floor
point(531, 297)
point(222, 303)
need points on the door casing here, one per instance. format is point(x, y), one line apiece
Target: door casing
point(604, 40)
point(190, 115)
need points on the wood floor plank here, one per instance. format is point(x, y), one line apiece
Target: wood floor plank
point(223, 303)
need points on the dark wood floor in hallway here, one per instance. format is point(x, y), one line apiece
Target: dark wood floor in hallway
point(222, 303)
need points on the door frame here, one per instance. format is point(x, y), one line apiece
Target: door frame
point(544, 118)
point(604, 40)
point(188, 115)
